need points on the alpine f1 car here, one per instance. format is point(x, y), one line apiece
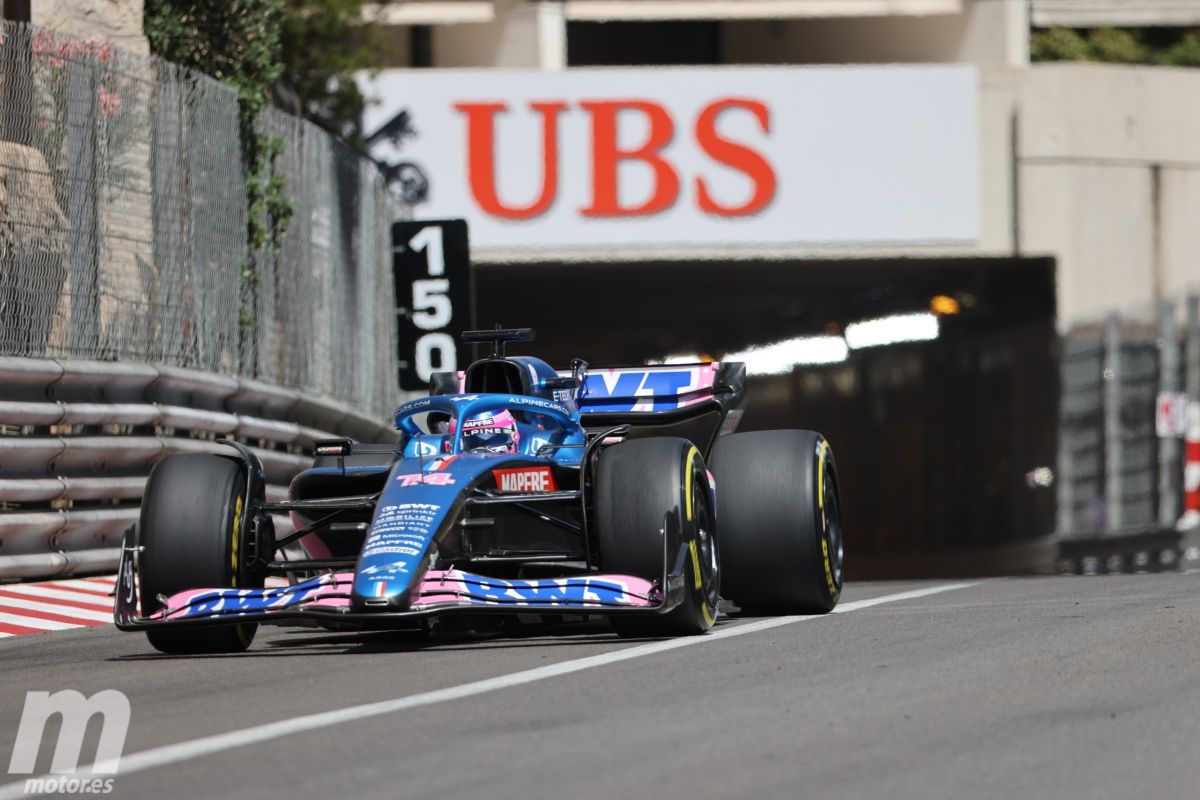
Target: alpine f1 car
point(513, 492)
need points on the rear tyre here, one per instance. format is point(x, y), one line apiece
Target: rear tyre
point(648, 489)
point(780, 521)
point(191, 529)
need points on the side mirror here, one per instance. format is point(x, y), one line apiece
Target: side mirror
point(561, 383)
point(443, 383)
point(579, 369)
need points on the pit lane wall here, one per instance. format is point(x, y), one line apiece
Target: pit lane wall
point(136, 321)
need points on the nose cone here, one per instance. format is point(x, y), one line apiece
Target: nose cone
point(380, 590)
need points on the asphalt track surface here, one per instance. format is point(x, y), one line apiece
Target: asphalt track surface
point(1050, 687)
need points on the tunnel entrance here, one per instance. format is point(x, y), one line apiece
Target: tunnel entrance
point(943, 446)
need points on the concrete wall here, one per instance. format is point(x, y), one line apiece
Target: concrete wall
point(1110, 181)
point(987, 32)
point(119, 22)
point(521, 35)
point(529, 34)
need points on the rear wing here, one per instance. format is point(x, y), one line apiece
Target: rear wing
point(659, 389)
point(705, 399)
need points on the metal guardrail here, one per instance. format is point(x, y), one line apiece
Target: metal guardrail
point(78, 438)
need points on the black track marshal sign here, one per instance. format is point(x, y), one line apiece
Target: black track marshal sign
point(431, 263)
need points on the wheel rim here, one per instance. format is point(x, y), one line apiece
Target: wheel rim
point(831, 513)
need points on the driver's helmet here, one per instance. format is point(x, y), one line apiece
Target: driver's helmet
point(494, 431)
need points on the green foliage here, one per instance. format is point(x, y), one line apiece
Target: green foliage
point(1116, 46)
point(1058, 44)
point(323, 46)
point(235, 41)
point(1184, 53)
point(239, 43)
point(1161, 46)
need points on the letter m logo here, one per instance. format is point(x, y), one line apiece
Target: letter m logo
point(76, 711)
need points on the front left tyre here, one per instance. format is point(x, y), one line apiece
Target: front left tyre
point(648, 490)
point(191, 529)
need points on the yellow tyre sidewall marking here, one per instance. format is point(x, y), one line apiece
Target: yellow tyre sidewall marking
point(237, 529)
point(826, 556)
point(233, 557)
point(696, 563)
point(708, 617)
point(821, 474)
point(689, 494)
point(690, 504)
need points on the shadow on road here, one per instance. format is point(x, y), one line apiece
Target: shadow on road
point(310, 643)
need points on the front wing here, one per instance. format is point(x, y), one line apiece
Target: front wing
point(326, 598)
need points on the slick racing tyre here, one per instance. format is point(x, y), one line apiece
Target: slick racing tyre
point(645, 490)
point(780, 521)
point(191, 532)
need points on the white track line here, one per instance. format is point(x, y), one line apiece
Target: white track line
point(63, 611)
point(197, 748)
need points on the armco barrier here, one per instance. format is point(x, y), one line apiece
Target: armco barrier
point(78, 438)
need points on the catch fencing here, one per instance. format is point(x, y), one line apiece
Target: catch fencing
point(1121, 471)
point(123, 228)
point(135, 319)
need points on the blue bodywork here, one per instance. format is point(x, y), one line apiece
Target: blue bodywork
point(424, 493)
point(412, 558)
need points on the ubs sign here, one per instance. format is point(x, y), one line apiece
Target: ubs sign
point(788, 155)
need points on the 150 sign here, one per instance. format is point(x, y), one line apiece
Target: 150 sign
point(432, 269)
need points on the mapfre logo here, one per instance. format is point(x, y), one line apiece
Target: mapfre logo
point(530, 479)
point(608, 155)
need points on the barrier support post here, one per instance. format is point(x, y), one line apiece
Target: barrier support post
point(1114, 451)
point(1168, 446)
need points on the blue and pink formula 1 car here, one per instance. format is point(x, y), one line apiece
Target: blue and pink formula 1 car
point(514, 490)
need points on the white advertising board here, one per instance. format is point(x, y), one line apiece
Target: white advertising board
point(713, 155)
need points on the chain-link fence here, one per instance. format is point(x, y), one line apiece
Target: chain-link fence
point(1127, 383)
point(123, 228)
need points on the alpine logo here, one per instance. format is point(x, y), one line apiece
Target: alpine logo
point(527, 479)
